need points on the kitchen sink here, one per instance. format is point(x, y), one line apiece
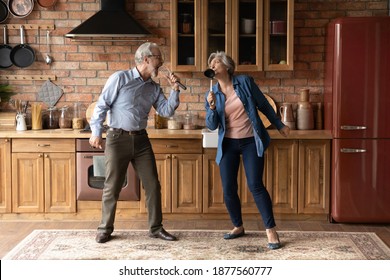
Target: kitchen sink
point(210, 138)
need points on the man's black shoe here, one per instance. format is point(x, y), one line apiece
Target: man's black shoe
point(102, 237)
point(164, 235)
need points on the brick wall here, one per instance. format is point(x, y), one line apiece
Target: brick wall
point(82, 68)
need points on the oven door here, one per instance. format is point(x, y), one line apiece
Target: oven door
point(90, 187)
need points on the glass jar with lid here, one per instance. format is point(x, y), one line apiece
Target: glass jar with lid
point(51, 118)
point(77, 121)
point(65, 120)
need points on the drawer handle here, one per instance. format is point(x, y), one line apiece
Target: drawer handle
point(43, 145)
point(172, 146)
point(347, 150)
point(353, 127)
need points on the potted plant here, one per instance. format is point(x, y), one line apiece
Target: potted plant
point(6, 93)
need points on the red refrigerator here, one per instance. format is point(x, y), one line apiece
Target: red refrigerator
point(357, 110)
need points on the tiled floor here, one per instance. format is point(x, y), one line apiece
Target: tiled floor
point(12, 232)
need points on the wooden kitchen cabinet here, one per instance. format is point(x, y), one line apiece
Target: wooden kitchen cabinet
point(314, 177)
point(241, 28)
point(5, 175)
point(296, 175)
point(278, 35)
point(186, 35)
point(199, 28)
point(282, 175)
point(179, 165)
point(213, 201)
point(235, 27)
point(43, 176)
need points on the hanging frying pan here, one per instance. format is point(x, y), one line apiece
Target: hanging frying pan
point(5, 52)
point(46, 3)
point(3, 11)
point(20, 8)
point(22, 55)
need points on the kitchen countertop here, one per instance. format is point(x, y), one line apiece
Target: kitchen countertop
point(157, 133)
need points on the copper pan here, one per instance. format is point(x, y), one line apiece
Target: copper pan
point(20, 8)
point(46, 3)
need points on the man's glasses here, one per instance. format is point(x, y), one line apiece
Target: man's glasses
point(158, 56)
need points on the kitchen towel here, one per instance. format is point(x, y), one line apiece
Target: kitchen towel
point(99, 167)
point(50, 93)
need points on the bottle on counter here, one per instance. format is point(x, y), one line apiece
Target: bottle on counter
point(305, 117)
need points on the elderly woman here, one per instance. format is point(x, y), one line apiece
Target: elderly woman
point(232, 107)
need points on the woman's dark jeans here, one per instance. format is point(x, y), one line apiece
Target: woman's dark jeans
point(254, 166)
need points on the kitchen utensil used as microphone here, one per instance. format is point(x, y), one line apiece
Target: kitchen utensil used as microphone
point(167, 72)
point(209, 73)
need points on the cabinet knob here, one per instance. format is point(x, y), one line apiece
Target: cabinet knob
point(167, 156)
point(46, 156)
point(40, 155)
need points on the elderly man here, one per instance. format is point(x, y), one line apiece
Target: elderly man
point(128, 96)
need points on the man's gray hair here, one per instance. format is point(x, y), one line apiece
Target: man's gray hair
point(144, 50)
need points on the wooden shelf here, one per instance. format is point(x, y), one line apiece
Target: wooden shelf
point(28, 77)
point(31, 26)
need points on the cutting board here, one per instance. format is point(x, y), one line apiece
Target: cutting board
point(89, 112)
point(7, 120)
point(263, 118)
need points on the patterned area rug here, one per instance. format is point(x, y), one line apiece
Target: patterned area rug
point(199, 245)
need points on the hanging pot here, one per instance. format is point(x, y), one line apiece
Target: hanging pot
point(3, 11)
point(20, 8)
point(46, 3)
point(5, 52)
point(22, 55)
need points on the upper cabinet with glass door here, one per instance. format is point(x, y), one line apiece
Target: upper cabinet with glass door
point(216, 27)
point(185, 35)
point(236, 28)
point(247, 34)
point(278, 35)
point(257, 34)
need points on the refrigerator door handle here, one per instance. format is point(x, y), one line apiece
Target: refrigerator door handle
point(349, 150)
point(353, 127)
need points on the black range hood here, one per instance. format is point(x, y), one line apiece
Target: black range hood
point(112, 21)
